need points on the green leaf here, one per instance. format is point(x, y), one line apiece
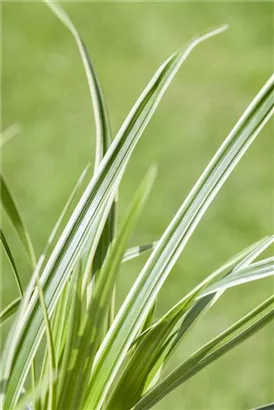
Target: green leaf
point(12, 262)
point(153, 347)
point(145, 290)
point(65, 212)
point(210, 352)
point(9, 310)
point(85, 225)
point(14, 306)
point(16, 220)
point(78, 378)
point(136, 251)
point(102, 125)
point(242, 260)
point(69, 356)
point(258, 270)
point(50, 346)
point(60, 318)
point(26, 398)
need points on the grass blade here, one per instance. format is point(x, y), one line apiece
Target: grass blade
point(11, 261)
point(255, 271)
point(217, 347)
point(9, 310)
point(144, 292)
point(64, 213)
point(68, 357)
point(86, 223)
point(97, 310)
point(243, 260)
point(60, 319)
point(16, 220)
point(50, 346)
point(136, 251)
point(153, 346)
point(102, 124)
point(54, 232)
point(40, 390)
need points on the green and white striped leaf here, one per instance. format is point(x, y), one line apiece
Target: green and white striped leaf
point(255, 271)
point(14, 305)
point(86, 224)
point(136, 251)
point(75, 317)
point(156, 344)
point(40, 389)
point(9, 310)
point(102, 125)
point(90, 337)
point(61, 313)
point(242, 260)
point(51, 350)
point(145, 290)
point(210, 352)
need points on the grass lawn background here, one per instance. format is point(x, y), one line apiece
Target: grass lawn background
point(44, 90)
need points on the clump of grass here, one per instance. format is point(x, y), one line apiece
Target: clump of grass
point(97, 358)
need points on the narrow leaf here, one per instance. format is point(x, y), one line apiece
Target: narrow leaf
point(103, 132)
point(153, 346)
point(216, 348)
point(11, 261)
point(50, 346)
point(102, 125)
point(144, 292)
point(137, 251)
point(78, 378)
point(85, 225)
point(9, 310)
point(16, 220)
point(68, 358)
point(242, 260)
point(255, 271)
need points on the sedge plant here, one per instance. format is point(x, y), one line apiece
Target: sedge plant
point(97, 358)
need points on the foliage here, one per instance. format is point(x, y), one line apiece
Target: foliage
point(97, 358)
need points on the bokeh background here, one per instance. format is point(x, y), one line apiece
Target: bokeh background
point(45, 91)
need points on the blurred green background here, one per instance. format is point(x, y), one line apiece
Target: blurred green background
point(44, 90)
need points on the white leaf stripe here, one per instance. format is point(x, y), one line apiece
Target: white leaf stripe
point(258, 270)
point(136, 251)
